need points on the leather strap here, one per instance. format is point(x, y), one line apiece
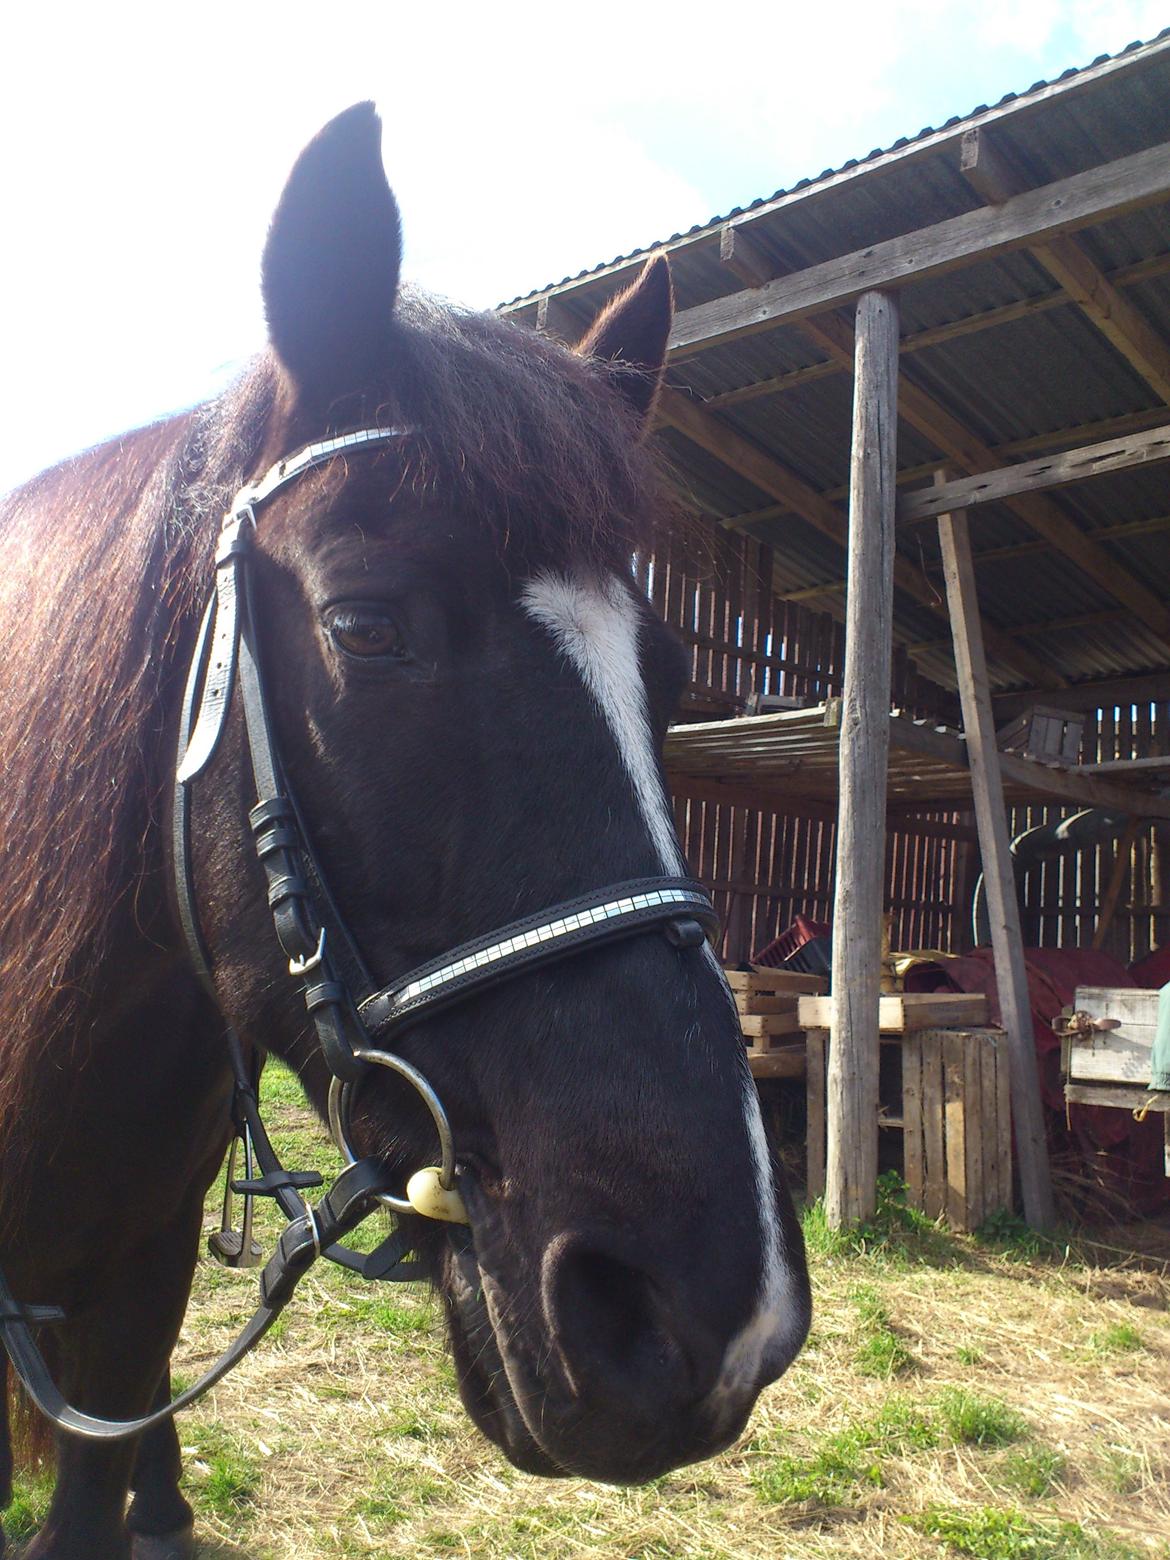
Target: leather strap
point(617, 911)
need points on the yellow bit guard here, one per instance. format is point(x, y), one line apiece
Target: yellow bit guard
point(427, 1195)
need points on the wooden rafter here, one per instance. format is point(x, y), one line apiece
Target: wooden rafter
point(969, 454)
point(920, 340)
point(989, 487)
point(996, 179)
point(771, 476)
point(1094, 195)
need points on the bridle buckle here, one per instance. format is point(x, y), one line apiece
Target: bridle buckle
point(312, 961)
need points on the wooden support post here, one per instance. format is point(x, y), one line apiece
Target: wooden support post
point(852, 1087)
point(998, 876)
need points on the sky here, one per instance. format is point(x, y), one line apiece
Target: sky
point(143, 148)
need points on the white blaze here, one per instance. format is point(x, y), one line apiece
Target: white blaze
point(594, 624)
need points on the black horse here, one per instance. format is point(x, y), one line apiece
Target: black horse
point(469, 699)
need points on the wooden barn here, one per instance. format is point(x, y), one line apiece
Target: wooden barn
point(918, 408)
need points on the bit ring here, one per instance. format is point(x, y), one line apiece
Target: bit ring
point(341, 1096)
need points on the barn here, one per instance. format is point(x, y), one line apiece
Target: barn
point(917, 407)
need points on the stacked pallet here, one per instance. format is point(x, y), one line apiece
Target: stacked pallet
point(767, 1001)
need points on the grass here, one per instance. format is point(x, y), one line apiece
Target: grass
point(992, 1533)
point(992, 1396)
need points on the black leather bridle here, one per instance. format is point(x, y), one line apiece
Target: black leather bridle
point(353, 1016)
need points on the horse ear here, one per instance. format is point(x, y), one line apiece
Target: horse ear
point(331, 263)
point(632, 329)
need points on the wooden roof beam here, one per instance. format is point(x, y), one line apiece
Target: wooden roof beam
point(968, 452)
point(932, 335)
point(1036, 216)
point(997, 180)
point(773, 477)
point(991, 487)
point(1105, 693)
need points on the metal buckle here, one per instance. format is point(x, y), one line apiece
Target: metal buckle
point(303, 966)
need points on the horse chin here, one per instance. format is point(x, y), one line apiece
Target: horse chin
point(521, 1398)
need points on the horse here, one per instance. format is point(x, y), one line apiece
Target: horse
point(468, 696)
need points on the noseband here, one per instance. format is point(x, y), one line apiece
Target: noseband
point(353, 1017)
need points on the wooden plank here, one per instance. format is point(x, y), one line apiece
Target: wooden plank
point(852, 1086)
point(761, 979)
point(784, 1062)
point(999, 874)
point(1119, 1097)
point(933, 1102)
point(1148, 688)
point(955, 1129)
point(971, 1061)
point(989, 487)
point(1003, 1122)
point(1122, 859)
point(758, 1025)
point(907, 1011)
point(751, 1002)
point(997, 178)
point(987, 1133)
point(817, 1048)
point(1121, 1056)
point(912, 1156)
point(1131, 1004)
point(1095, 195)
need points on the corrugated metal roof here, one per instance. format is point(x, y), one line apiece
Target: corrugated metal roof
point(1005, 354)
point(861, 163)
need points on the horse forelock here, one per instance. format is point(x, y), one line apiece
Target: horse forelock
point(529, 439)
point(108, 557)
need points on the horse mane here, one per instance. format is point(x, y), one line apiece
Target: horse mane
point(107, 559)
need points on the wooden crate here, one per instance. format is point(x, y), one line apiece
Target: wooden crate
point(766, 1000)
point(909, 1010)
point(955, 1120)
point(1054, 736)
point(1112, 1067)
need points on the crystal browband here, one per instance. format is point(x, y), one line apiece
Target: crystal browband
point(615, 912)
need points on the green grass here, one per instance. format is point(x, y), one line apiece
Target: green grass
point(992, 1533)
point(881, 1352)
point(849, 1458)
point(1119, 1338)
point(30, 1502)
point(897, 1234)
point(973, 1420)
point(1032, 1470)
point(225, 1476)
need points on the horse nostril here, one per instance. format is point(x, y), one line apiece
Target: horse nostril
point(608, 1322)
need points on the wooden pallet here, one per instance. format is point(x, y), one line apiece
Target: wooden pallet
point(766, 1000)
point(955, 1120)
point(910, 1010)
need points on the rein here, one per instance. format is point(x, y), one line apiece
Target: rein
point(350, 1013)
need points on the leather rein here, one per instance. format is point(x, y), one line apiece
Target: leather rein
point(352, 1016)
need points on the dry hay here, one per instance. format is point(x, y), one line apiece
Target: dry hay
point(343, 1435)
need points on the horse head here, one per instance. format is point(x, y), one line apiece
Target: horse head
point(470, 697)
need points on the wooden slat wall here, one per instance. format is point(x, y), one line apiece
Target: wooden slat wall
point(765, 868)
point(1061, 895)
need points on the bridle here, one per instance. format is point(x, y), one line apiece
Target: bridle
point(354, 1018)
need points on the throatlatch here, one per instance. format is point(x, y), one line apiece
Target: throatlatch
point(349, 1012)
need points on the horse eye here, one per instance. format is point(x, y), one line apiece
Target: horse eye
point(369, 635)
